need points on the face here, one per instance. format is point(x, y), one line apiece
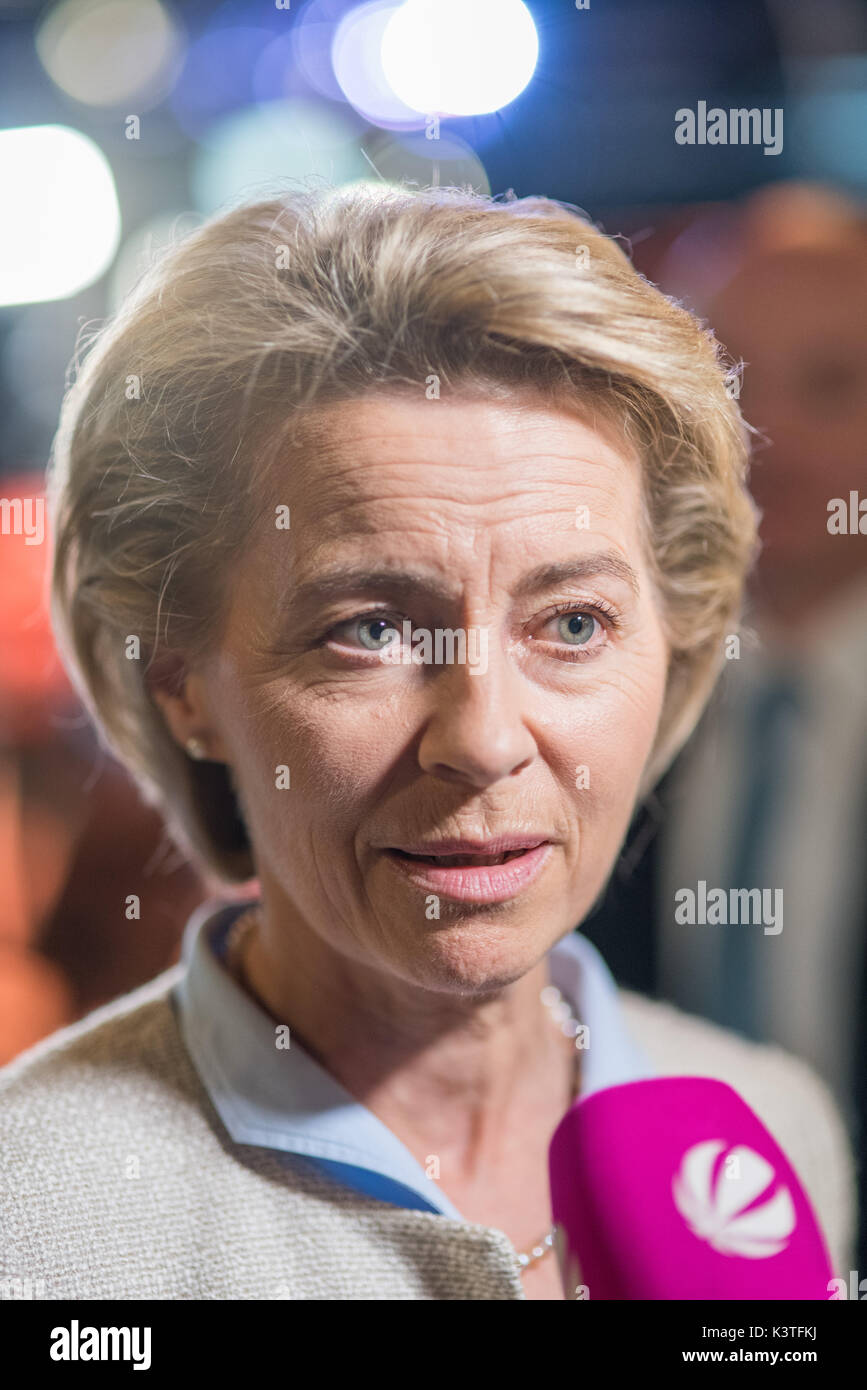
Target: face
point(799, 321)
point(456, 514)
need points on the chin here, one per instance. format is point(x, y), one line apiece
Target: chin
point(478, 956)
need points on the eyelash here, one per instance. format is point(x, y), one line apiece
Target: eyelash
point(600, 611)
point(603, 612)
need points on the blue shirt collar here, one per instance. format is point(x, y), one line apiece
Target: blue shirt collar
point(282, 1099)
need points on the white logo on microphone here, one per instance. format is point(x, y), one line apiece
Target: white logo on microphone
point(716, 1211)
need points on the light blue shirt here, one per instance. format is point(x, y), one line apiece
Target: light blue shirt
point(284, 1100)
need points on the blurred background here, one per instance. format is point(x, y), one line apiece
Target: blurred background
point(124, 123)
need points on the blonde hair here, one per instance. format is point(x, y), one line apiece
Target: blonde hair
point(276, 306)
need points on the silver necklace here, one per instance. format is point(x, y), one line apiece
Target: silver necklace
point(556, 1006)
point(562, 1017)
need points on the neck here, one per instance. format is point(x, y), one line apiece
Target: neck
point(451, 1074)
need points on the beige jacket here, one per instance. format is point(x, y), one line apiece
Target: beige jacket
point(119, 1181)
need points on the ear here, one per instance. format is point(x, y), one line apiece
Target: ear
point(182, 697)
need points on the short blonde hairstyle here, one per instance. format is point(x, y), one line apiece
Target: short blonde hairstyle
point(288, 303)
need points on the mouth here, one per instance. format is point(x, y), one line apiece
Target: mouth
point(459, 861)
point(479, 874)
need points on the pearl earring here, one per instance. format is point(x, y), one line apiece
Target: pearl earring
point(195, 748)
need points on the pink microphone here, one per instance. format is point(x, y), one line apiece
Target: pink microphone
point(673, 1188)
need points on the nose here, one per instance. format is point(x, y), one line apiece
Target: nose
point(476, 733)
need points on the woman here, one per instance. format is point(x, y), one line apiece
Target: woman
point(397, 540)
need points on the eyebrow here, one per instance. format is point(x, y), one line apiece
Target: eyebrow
point(342, 579)
point(603, 562)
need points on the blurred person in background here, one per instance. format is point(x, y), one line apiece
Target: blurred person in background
point(772, 790)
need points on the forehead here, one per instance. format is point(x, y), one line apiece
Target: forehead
point(465, 491)
point(479, 460)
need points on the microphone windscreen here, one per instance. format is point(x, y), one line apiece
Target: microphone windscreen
point(673, 1188)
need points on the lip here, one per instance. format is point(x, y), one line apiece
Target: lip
point(501, 844)
point(482, 883)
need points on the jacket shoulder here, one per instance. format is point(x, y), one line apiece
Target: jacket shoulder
point(786, 1093)
point(137, 1031)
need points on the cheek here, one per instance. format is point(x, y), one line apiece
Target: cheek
point(336, 754)
point(602, 738)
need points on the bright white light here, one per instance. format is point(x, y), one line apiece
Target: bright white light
point(459, 57)
point(356, 58)
point(61, 226)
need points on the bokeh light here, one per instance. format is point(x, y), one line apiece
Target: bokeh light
point(828, 119)
point(66, 227)
point(312, 36)
point(459, 57)
point(356, 57)
point(218, 77)
point(299, 139)
point(105, 52)
point(414, 158)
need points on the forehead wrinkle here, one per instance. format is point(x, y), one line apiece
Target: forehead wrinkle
point(337, 478)
point(399, 484)
point(348, 465)
point(456, 523)
point(449, 529)
point(336, 439)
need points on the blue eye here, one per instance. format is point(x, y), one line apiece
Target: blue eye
point(382, 627)
point(576, 628)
